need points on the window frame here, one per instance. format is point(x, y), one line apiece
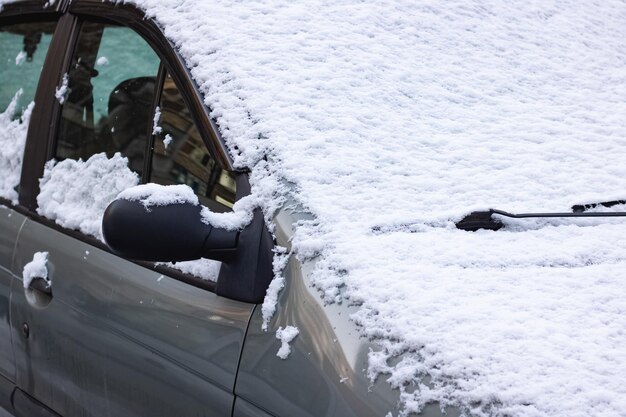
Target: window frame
point(47, 113)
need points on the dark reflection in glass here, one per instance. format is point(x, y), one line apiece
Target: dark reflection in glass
point(110, 91)
point(181, 157)
point(23, 48)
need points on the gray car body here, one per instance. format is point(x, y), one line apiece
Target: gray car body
point(117, 338)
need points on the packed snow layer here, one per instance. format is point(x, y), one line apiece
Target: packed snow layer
point(268, 308)
point(37, 268)
point(151, 195)
point(387, 121)
point(206, 269)
point(12, 142)
point(75, 194)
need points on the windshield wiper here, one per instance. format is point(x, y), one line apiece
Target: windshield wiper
point(484, 219)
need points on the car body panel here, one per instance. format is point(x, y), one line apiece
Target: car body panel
point(120, 339)
point(10, 224)
point(245, 409)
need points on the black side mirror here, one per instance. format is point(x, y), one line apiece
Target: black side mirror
point(171, 233)
point(176, 232)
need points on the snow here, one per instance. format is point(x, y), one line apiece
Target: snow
point(166, 142)
point(286, 336)
point(151, 195)
point(237, 219)
point(75, 193)
point(20, 58)
point(206, 269)
point(12, 143)
point(37, 268)
point(156, 128)
point(281, 257)
point(62, 90)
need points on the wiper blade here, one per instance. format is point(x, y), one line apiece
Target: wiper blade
point(584, 207)
point(484, 219)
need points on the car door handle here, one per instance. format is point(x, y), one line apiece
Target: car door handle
point(41, 285)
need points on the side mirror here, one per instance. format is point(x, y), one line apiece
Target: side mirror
point(171, 233)
point(176, 232)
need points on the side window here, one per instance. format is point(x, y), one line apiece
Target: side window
point(23, 48)
point(181, 157)
point(108, 95)
point(117, 127)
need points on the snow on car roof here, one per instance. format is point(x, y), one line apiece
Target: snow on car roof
point(388, 121)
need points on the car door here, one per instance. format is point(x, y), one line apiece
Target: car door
point(25, 33)
point(95, 334)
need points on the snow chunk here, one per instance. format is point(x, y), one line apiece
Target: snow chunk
point(237, 219)
point(151, 195)
point(75, 194)
point(281, 257)
point(20, 58)
point(102, 61)
point(37, 268)
point(12, 143)
point(62, 90)
point(285, 336)
point(156, 129)
point(206, 269)
point(168, 139)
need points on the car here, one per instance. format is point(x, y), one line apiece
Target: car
point(225, 208)
point(88, 329)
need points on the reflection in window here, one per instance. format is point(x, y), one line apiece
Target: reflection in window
point(181, 157)
point(23, 49)
point(111, 87)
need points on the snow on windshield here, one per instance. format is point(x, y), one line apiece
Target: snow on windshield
point(389, 121)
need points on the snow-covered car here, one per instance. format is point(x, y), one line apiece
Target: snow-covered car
point(285, 209)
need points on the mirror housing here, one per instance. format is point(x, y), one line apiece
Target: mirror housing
point(176, 232)
point(171, 233)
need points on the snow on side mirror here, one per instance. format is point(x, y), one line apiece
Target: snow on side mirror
point(165, 233)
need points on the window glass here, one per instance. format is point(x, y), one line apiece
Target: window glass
point(108, 95)
point(181, 157)
point(23, 48)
